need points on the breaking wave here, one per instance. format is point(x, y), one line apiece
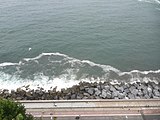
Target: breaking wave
point(55, 69)
point(150, 1)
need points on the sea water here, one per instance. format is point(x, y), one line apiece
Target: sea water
point(62, 42)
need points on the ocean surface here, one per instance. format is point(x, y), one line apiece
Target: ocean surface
point(59, 43)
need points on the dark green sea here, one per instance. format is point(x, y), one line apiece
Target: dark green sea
point(61, 42)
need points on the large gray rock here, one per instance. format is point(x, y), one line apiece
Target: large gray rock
point(140, 93)
point(145, 91)
point(142, 87)
point(97, 92)
point(134, 92)
point(147, 96)
point(73, 96)
point(121, 95)
point(86, 94)
point(115, 94)
point(132, 88)
point(104, 94)
point(155, 86)
point(131, 96)
point(90, 91)
point(108, 95)
point(137, 97)
point(156, 92)
point(127, 91)
point(149, 89)
point(113, 89)
point(126, 86)
point(5, 91)
point(81, 88)
point(107, 87)
point(29, 95)
point(120, 89)
point(99, 87)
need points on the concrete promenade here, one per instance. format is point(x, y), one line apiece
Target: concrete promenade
point(146, 109)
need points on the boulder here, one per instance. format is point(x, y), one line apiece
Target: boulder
point(73, 96)
point(90, 91)
point(120, 88)
point(131, 96)
point(126, 90)
point(86, 94)
point(108, 95)
point(6, 91)
point(107, 87)
point(97, 92)
point(104, 94)
point(112, 88)
point(115, 94)
point(134, 92)
point(147, 96)
point(156, 92)
point(121, 95)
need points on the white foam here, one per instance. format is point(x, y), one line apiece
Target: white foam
point(150, 1)
point(142, 72)
point(7, 64)
point(12, 82)
point(45, 54)
point(106, 68)
point(68, 78)
point(157, 1)
point(29, 49)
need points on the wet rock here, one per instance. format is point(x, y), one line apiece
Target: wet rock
point(137, 97)
point(143, 87)
point(131, 96)
point(145, 91)
point(121, 95)
point(78, 97)
point(99, 87)
point(5, 91)
point(28, 95)
point(107, 87)
point(140, 93)
point(104, 94)
point(134, 92)
point(108, 95)
point(86, 94)
point(90, 91)
point(73, 96)
point(116, 98)
point(97, 91)
point(126, 90)
point(19, 98)
point(147, 96)
point(155, 97)
point(156, 92)
point(12, 91)
point(121, 89)
point(132, 88)
point(155, 86)
point(115, 94)
point(149, 89)
point(87, 90)
point(112, 88)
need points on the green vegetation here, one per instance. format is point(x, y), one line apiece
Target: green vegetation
point(10, 110)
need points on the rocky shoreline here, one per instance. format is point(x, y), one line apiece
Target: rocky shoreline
point(85, 90)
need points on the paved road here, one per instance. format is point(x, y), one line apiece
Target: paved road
point(95, 109)
point(153, 117)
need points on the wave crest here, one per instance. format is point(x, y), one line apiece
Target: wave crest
point(56, 69)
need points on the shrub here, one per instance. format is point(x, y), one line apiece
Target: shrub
point(10, 110)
